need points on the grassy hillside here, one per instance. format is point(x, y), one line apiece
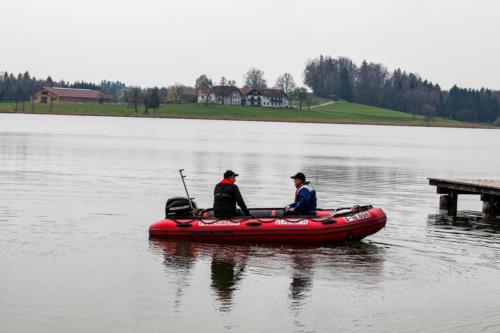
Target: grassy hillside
point(314, 100)
point(347, 113)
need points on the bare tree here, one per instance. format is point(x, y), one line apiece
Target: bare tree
point(154, 99)
point(291, 96)
point(429, 111)
point(134, 97)
point(33, 88)
point(301, 94)
point(308, 100)
point(171, 95)
point(254, 78)
point(175, 93)
point(231, 83)
point(285, 82)
point(25, 88)
point(146, 99)
point(203, 83)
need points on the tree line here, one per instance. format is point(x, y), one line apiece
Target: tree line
point(22, 87)
point(373, 84)
point(327, 77)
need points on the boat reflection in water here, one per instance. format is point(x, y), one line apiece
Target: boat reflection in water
point(227, 269)
point(302, 279)
point(229, 264)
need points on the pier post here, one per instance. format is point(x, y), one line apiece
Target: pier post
point(449, 202)
point(443, 201)
point(491, 206)
point(450, 188)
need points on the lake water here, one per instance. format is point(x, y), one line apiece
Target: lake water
point(77, 195)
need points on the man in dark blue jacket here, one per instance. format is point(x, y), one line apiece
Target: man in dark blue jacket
point(305, 197)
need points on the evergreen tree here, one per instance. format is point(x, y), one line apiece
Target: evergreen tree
point(346, 89)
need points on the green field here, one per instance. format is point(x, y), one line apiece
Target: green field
point(314, 100)
point(345, 113)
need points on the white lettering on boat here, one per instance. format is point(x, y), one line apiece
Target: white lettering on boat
point(359, 216)
point(218, 223)
point(291, 222)
point(179, 208)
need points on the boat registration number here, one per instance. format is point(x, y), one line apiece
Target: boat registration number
point(219, 223)
point(356, 217)
point(285, 222)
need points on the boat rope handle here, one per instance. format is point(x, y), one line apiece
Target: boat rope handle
point(261, 220)
point(321, 219)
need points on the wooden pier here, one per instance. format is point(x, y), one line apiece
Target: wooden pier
point(450, 188)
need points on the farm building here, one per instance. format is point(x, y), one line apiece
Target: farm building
point(220, 95)
point(69, 95)
point(187, 95)
point(275, 98)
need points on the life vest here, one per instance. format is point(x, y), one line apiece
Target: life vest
point(311, 205)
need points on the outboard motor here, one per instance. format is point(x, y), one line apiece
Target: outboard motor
point(179, 207)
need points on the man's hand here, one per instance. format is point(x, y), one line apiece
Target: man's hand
point(289, 209)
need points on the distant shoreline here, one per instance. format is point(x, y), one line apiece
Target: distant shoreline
point(347, 114)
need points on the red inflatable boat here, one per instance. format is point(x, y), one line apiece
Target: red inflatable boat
point(272, 225)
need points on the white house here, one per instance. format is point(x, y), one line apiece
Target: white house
point(220, 95)
point(204, 94)
point(273, 98)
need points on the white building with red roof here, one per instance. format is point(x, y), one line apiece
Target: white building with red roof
point(267, 97)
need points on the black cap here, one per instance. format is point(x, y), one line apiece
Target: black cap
point(300, 176)
point(230, 173)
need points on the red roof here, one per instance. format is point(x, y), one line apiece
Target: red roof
point(264, 91)
point(219, 90)
point(245, 90)
point(271, 92)
point(75, 93)
point(227, 90)
point(205, 90)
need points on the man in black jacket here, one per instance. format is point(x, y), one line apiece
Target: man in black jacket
point(226, 196)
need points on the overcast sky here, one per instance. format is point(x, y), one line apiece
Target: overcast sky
point(160, 42)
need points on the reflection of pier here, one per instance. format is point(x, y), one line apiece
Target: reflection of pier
point(451, 188)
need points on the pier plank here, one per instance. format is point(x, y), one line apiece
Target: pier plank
point(467, 186)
